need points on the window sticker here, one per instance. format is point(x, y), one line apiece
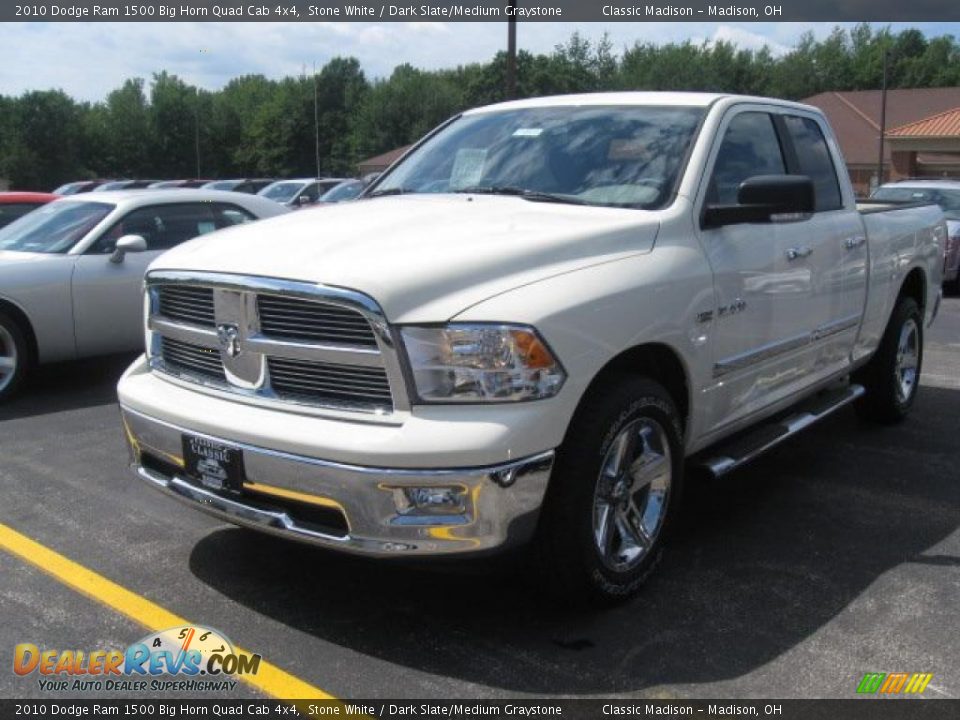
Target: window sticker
point(527, 132)
point(468, 167)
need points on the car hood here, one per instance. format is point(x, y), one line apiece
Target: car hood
point(423, 258)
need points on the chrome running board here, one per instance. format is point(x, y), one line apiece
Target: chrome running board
point(729, 455)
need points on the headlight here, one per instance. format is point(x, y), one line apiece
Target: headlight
point(463, 363)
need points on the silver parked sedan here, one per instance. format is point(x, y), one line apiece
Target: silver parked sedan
point(71, 272)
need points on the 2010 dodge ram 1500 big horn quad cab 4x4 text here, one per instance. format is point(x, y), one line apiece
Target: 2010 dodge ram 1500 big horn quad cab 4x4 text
point(528, 327)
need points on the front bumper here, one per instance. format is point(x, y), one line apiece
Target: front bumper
point(348, 507)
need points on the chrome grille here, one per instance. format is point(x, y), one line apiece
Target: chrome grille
point(331, 382)
point(274, 342)
point(310, 321)
point(192, 359)
point(187, 304)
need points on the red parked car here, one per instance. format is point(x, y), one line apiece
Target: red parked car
point(17, 204)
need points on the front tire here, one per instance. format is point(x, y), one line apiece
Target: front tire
point(892, 376)
point(14, 356)
point(614, 492)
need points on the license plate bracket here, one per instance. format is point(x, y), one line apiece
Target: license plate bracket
point(214, 465)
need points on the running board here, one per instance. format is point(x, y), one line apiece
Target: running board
point(724, 458)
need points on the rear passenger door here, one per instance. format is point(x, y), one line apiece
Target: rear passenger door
point(108, 315)
point(837, 240)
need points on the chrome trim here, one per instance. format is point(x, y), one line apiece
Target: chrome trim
point(836, 326)
point(497, 512)
point(235, 305)
point(320, 352)
point(765, 352)
point(780, 347)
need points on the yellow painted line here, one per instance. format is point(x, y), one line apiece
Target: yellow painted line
point(269, 679)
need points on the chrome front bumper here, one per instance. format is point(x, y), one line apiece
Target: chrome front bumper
point(361, 510)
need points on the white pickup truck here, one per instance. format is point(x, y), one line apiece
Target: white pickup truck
point(528, 328)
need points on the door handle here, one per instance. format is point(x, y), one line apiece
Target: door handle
point(852, 243)
point(799, 252)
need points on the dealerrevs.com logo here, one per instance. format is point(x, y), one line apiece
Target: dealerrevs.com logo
point(192, 658)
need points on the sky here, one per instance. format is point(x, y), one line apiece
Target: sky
point(88, 60)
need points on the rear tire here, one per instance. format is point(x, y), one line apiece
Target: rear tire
point(14, 356)
point(615, 488)
point(893, 374)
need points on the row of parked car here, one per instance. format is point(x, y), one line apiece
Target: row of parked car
point(294, 192)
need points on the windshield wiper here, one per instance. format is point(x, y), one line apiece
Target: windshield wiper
point(389, 191)
point(532, 195)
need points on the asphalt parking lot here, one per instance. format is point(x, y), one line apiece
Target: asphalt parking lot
point(835, 555)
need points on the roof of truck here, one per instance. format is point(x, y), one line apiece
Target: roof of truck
point(680, 99)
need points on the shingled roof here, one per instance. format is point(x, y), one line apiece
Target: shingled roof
point(945, 124)
point(855, 115)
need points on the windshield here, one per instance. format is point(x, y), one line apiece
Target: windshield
point(222, 185)
point(116, 185)
point(281, 191)
point(947, 198)
point(343, 191)
point(69, 188)
point(53, 228)
point(624, 156)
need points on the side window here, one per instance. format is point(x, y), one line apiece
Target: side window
point(813, 154)
point(312, 192)
point(229, 215)
point(162, 226)
point(750, 147)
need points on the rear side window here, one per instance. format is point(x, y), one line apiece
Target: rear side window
point(162, 226)
point(230, 215)
point(813, 155)
point(750, 147)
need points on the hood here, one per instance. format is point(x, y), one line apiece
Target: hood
point(423, 258)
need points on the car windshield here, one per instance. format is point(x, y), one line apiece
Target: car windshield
point(53, 228)
point(116, 185)
point(69, 188)
point(281, 191)
point(947, 198)
point(343, 191)
point(615, 156)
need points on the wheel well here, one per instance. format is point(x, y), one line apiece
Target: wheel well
point(915, 286)
point(658, 362)
point(23, 322)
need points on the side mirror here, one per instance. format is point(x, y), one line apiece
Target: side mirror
point(763, 199)
point(127, 244)
point(304, 200)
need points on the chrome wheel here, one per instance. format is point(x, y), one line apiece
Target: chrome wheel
point(630, 499)
point(908, 360)
point(8, 358)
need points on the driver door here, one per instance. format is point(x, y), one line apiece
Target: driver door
point(765, 282)
point(107, 296)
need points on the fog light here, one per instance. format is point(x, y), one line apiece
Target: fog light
point(430, 500)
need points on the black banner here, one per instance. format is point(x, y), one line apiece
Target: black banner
point(858, 709)
point(483, 11)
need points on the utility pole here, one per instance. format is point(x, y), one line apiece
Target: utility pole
point(196, 127)
point(883, 117)
point(512, 50)
point(316, 120)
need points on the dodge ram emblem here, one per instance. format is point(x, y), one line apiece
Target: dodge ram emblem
point(229, 338)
